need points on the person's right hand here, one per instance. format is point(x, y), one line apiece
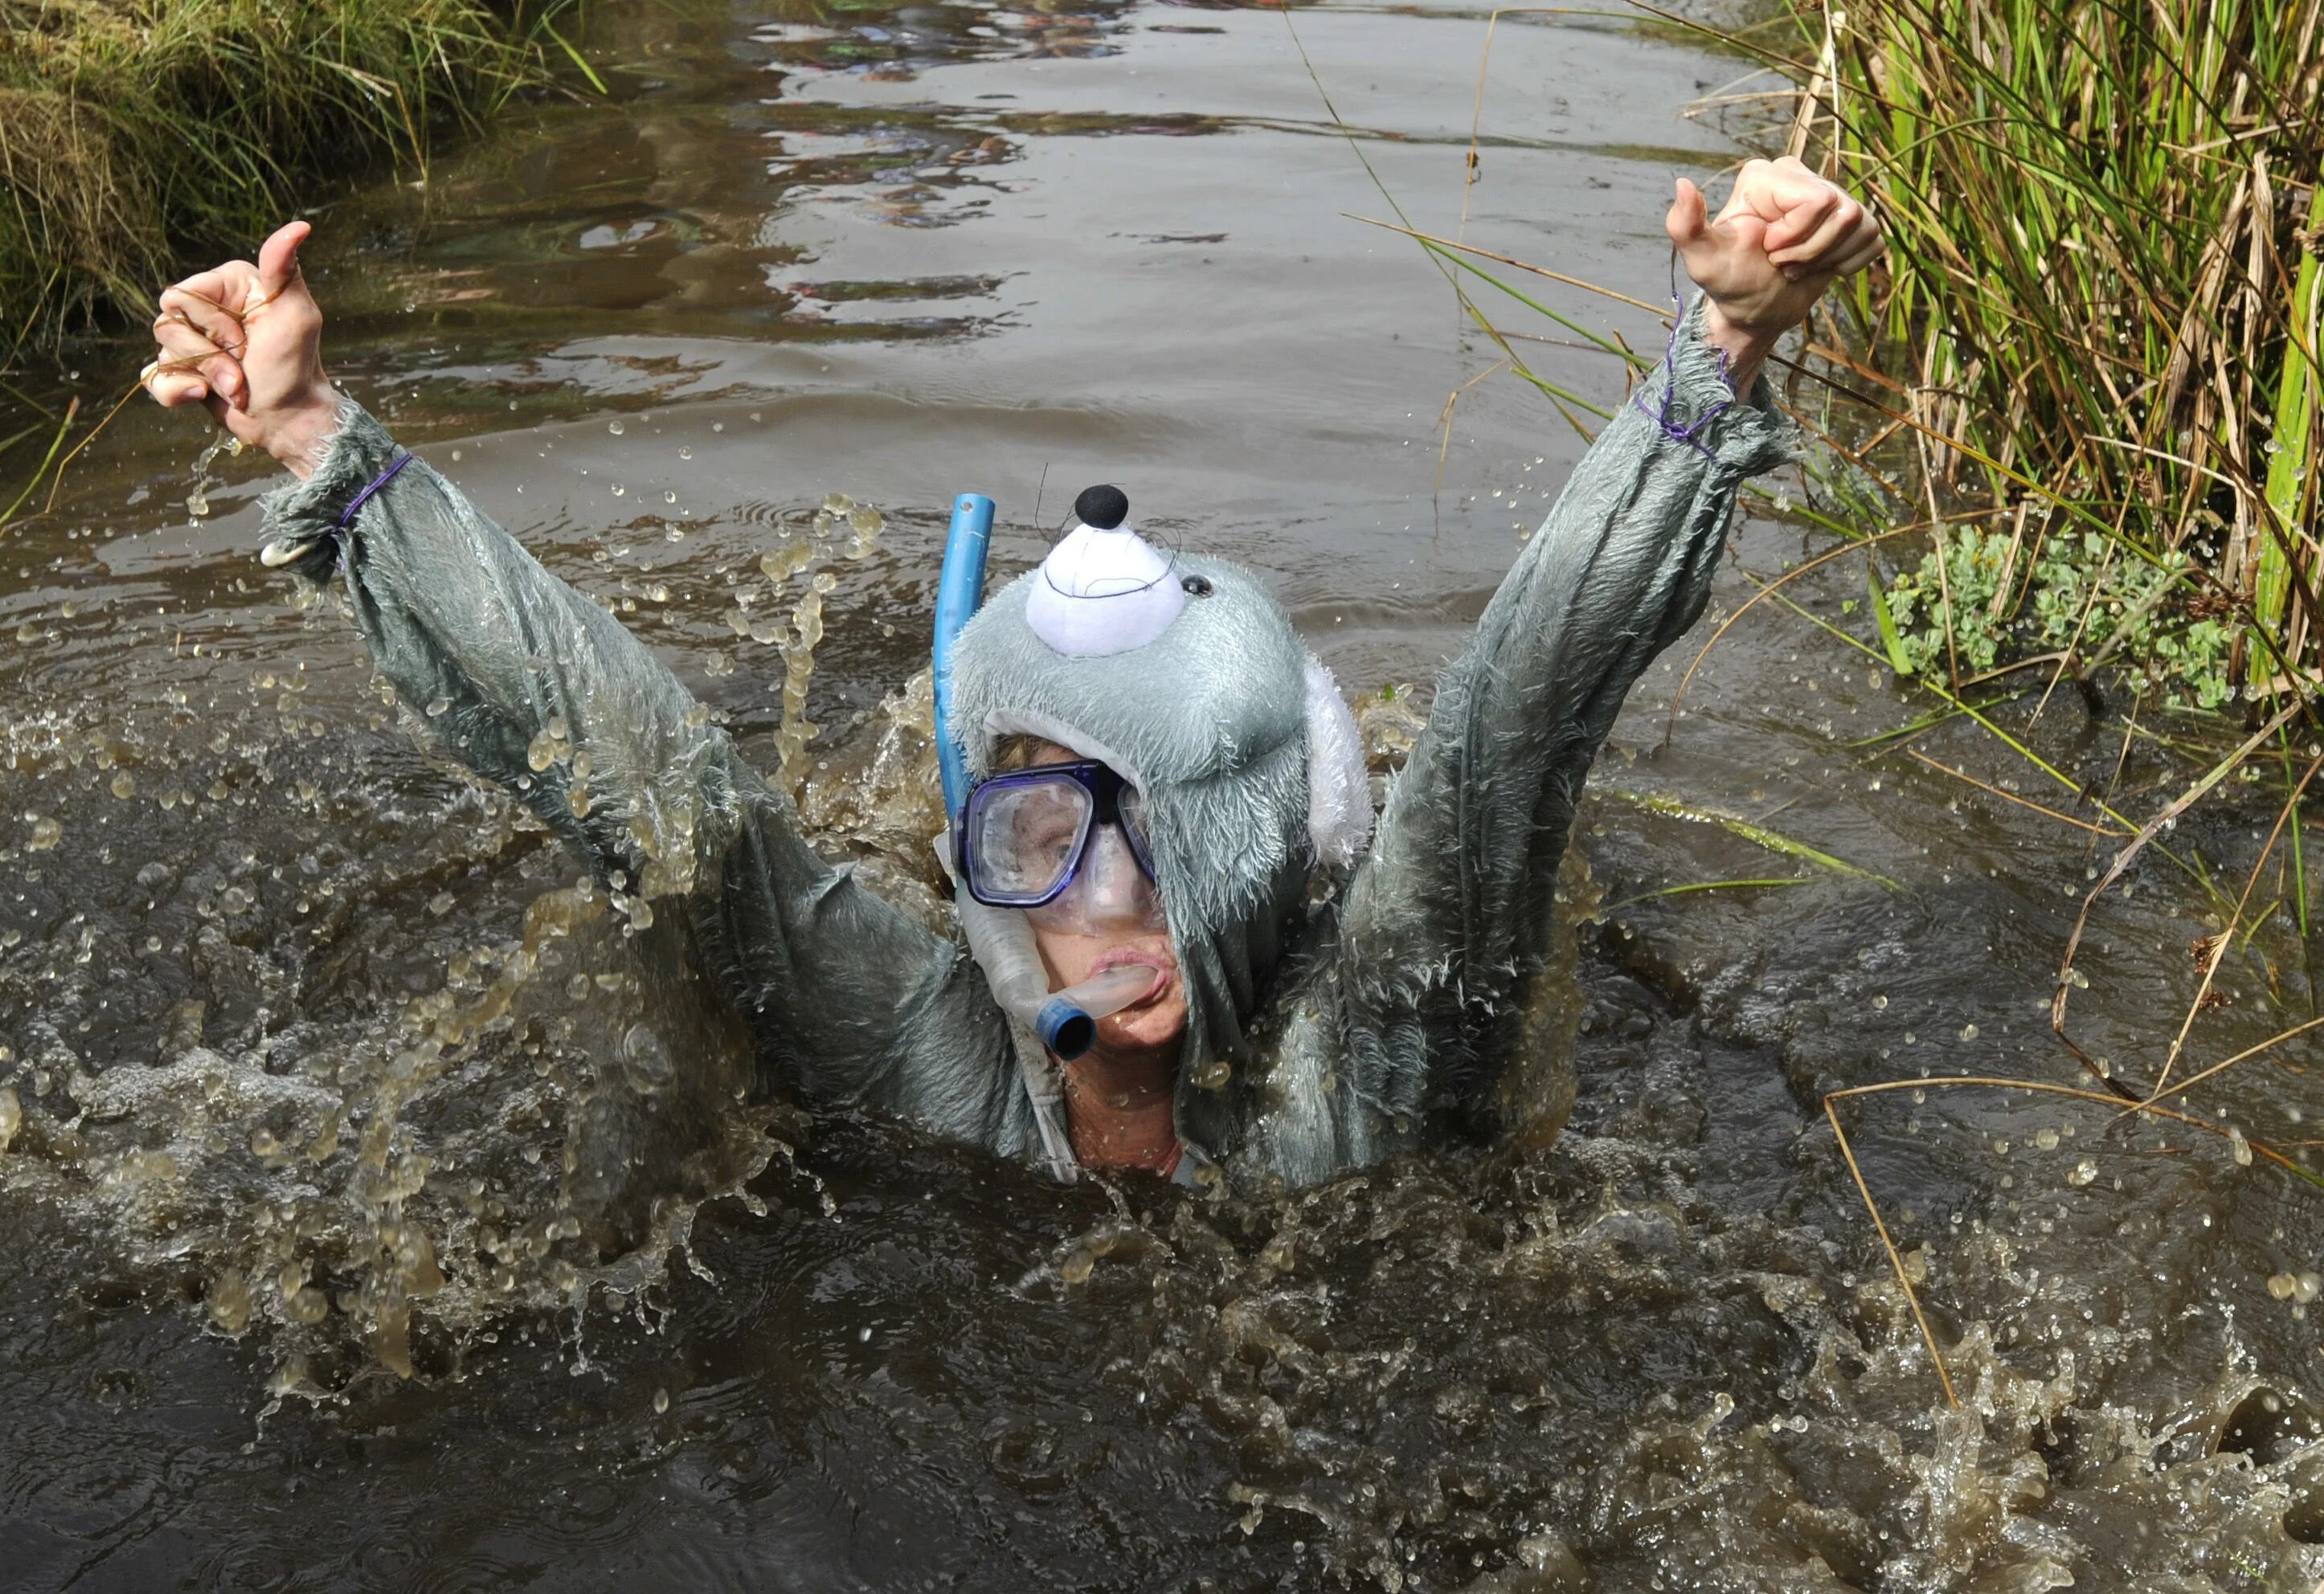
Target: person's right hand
point(245, 342)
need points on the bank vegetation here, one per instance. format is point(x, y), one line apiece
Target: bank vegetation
point(138, 135)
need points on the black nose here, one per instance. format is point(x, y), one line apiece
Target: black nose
point(1102, 507)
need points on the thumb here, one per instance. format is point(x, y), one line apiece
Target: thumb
point(1689, 219)
point(278, 258)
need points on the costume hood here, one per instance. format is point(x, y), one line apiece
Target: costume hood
point(1182, 674)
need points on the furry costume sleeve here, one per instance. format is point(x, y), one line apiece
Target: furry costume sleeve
point(1449, 917)
point(534, 686)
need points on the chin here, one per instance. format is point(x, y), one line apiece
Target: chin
point(1145, 1026)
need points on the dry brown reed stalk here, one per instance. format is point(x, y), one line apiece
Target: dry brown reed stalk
point(1678, 698)
point(2122, 861)
point(2226, 939)
point(2010, 796)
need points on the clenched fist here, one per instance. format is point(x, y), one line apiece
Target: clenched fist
point(245, 342)
point(1782, 237)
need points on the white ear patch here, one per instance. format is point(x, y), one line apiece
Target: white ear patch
point(1339, 787)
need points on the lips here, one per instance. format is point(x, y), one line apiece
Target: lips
point(1128, 955)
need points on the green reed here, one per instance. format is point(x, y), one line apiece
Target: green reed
point(136, 135)
point(2102, 299)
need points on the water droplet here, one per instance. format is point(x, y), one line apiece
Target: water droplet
point(436, 706)
point(2238, 1147)
point(229, 1300)
point(645, 1060)
point(124, 783)
point(2047, 1139)
point(616, 428)
point(11, 1115)
point(662, 1401)
point(2282, 1285)
point(1879, 1003)
point(619, 490)
point(684, 452)
point(46, 834)
point(2084, 1172)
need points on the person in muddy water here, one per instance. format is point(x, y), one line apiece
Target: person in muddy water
point(1164, 783)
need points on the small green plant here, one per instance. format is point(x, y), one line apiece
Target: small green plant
point(2077, 595)
point(1961, 575)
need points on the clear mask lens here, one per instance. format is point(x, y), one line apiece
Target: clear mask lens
point(1069, 840)
point(1110, 891)
point(1025, 836)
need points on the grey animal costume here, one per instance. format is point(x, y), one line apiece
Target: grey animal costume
point(1318, 1038)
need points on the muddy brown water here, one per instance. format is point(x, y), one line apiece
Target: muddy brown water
point(379, 1215)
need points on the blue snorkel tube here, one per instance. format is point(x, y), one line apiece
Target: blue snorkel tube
point(959, 594)
point(1000, 938)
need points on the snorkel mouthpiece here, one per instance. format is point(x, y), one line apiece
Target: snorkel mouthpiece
point(1065, 1029)
point(1067, 1022)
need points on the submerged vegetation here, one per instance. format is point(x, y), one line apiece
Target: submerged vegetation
point(138, 134)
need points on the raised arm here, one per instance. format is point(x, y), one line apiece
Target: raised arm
point(1450, 914)
point(532, 684)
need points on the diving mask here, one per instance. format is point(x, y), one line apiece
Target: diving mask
point(1066, 843)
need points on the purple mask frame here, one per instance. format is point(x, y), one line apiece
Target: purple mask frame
point(1104, 786)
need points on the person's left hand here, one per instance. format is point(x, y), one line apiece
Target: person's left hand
point(1782, 237)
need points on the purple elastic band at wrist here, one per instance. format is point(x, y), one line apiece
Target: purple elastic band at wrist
point(347, 516)
point(1661, 414)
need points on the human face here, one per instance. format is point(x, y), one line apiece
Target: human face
point(1075, 947)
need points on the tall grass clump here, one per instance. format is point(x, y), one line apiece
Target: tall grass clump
point(138, 134)
point(2102, 313)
